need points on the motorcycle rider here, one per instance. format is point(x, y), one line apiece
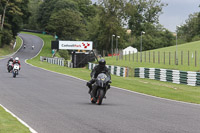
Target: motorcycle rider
point(100, 68)
point(17, 61)
point(11, 59)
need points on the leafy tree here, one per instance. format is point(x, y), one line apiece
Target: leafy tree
point(153, 10)
point(134, 12)
point(45, 11)
point(14, 13)
point(49, 7)
point(93, 29)
point(111, 22)
point(67, 24)
point(7, 36)
point(64, 54)
point(154, 37)
point(190, 30)
point(34, 9)
point(143, 15)
point(86, 8)
point(143, 11)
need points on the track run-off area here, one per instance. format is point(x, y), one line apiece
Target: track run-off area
point(54, 103)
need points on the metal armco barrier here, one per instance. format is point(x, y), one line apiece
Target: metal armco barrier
point(69, 64)
point(166, 75)
point(115, 70)
point(57, 61)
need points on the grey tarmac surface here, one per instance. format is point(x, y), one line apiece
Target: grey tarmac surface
point(54, 103)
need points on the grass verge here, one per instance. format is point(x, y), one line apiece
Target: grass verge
point(6, 50)
point(163, 58)
point(147, 86)
point(9, 124)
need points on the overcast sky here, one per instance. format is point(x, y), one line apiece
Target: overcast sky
point(177, 12)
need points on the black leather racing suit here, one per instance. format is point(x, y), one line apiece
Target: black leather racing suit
point(95, 72)
point(9, 61)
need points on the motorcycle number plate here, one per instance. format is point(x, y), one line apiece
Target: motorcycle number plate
point(16, 66)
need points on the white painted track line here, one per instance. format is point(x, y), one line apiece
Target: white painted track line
point(20, 120)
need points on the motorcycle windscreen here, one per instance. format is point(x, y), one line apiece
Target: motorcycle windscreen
point(102, 79)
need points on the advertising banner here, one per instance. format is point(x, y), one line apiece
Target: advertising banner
point(76, 45)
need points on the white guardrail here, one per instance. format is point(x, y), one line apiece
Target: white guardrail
point(115, 70)
point(57, 61)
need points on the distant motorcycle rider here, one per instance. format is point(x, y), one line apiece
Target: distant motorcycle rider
point(10, 60)
point(100, 68)
point(17, 61)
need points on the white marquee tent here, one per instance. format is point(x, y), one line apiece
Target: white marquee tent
point(129, 49)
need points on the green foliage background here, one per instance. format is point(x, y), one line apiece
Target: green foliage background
point(190, 31)
point(97, 22)
point(64, 54)
point(14, 14)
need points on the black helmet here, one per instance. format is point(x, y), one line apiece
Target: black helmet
point(102, 62)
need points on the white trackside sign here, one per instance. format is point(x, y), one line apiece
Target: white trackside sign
point(76, 45)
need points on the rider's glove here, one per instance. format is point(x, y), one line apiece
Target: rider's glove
point(88, 84)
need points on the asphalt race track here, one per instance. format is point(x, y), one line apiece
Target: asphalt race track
point(54, 103)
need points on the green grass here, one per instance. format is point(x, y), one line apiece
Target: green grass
point(18, 45)
point(9, 124)
point(191, 47)
point(6, 50)
point(146, 86)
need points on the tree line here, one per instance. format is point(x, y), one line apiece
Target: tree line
point(13, 14)
point(190, 31)
point(82, 20)
point(97, 22)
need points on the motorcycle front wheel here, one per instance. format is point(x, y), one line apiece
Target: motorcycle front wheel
point(9, 69)
point(14, 74)
point(100, 96)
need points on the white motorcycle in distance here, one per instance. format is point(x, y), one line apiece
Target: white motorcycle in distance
point(15, 70)
point(33, 47)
